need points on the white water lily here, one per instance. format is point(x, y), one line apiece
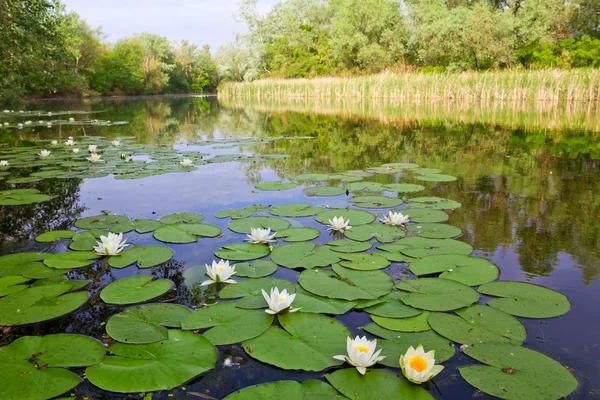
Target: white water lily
point(111, 245)
point(27, 122)
point(186, 162)
point(219, 273)
point(20, 125)
point(395, 219)
point(6, 124)
point(92, 148)
point(259, 235)
point(116, 143)
point(95, 158)
point(418, 366)
point(75, 150)
point(71, 119)
point(338, 224)
point(361, 353)
point(3, 163)
point(70, 142)
point(44, 153)
point(54, 142)
point(279, 301)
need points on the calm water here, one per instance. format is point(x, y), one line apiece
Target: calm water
point(530, 202)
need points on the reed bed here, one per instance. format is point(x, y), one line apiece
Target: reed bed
point(577, 85)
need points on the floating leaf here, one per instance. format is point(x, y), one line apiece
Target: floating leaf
point(234, 213)
point(182, 217)
point(384, 233)
point(146, 225)
point(71, 259)
point(311, 389)
point(312, 177)
point(471, 271)
point(425, 215)
point(242, 251)
point(418, 323)
point(18, 197)
point(101, 221)
point(134, 289)
point(525, 299)
point(324, 191)
point(185, 232)
point(435, 294)
point(12, 284)
point(400, 165)
point(228, 324)
point(275, 186)
point(142, 256)
point(422, 247)
point(516, 372)
point(310, 303)
point(478, 324)
point(348, 246)
point(356, 217)
point(251, 291)
point(295, 210)
point(162, 365)
point(21, 263)
point(53, 236)
point(375, 201)
point(304, 255)
point(298, 234)
point(435, 231)
point(363, 262)
point(403, 187)
point(370, 186)
point(308, 342)
point(437, 203)
point(436, 178)
point(147, 323)
point(84, 244)
point(245, 225)
point(391, 306)
point(258, 269)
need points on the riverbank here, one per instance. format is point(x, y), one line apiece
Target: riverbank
point(581, 85)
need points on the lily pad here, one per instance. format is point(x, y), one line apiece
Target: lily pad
point(515, 372)
point(525, 299)
point(182, 217)
point(245, 225)
point(311, 389)
point(228, 324)
point(257, 269)
point(478, 324)
point(363, 262)
point(101, 221)
point(418, 323)
point(156, 366)
point(375, 384)
point(185, 232)
point(18, 197)
point(12, 284)
point(307, 342)
point(146, 225)
point(295, 210)
point(134, 289)
point(348, 246)
point(242, 251)
point(471, 271)
point(356, 217)
point(147, 323)
point(384, 233)
point(435, 294)
point(403, 187)
point(436, 178)
point(275, 186)
point(375, 201)
point(435, 231)
point(437, 203)
point(21, 263)
point(422, 247)
point(370, 186)
point(312, 177)
point(310, 303)
point(71, 259)
point(324, 191)
point(234, 213)
point(392, 306)
point(53, 236)
point(344, 283)
point(425, 215)
point(298, 234)
point(304, 255)
point(142, 256)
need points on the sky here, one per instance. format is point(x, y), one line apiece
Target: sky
point(199, 21)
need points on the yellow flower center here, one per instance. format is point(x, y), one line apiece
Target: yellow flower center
point(418, 363)
point(281, 299)
point(221, 269)
point(361, 348)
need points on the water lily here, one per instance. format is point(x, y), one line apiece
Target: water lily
point(338, 224)
point(111, 245)
point(116, 143)
point(279, 301)
point(6, 124)
point(27, 122)
point(395, 219)
point(54, 142)
point(186, 162)
point(361, 353)
point(70, 142)
point(219, 272)
point(44, 153)
point(71, 119)
point(92, 148)
point(3, 163)
point(418, 366)
point(259, 235)
point(20, 125)
point(95, 158)
point(75, 150)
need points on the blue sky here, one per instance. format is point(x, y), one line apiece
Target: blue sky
point(199, 21)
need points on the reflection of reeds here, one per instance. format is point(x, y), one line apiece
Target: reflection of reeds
point(580, 85)
point(522, 115)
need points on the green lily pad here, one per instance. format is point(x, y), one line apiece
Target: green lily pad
point(147, 323)
point(245, 225)
point(324, 191)
point(295, 210)
point(298, 234)
point(393, 252)
point(311, 389)
point(18, 197)
point(370, 186)
point(437, 203)
point(234, 213)
point(134, 289)
point(146, 225)
point(258, 269)
point(478, 324)
point(307, 342)
point(348, 246)
point(71, 259)
point(310, 303)
point(12, 284)
point(425, 215)
point(156, 366)
point(525, 299)
point(363, 262)
point(34, 367)
point(53, 236)
point(435, 231)
point(403, 187)
point(242, 251)
point(418, 323)
point(182, 217)
point(515, 372)
point(185, 232)
point(275, 186)
point(436, 178)
point(422, 247)
point(26, 179)
point(356, 217)
point(228, 324)
point(391, 306)
point(435, 294)
point(384, 233)
point(84, 244)
point(312, 177)
point(21, 263)
point(142, 256)
point(101, 221)
point(400, 165)
point(90, 235)
point(344, 283)
point(304, 255)
point(375, 384)
point(71, 284)
point(375, 201)
point(40, 303)
point(123, 227)
point(471, 271)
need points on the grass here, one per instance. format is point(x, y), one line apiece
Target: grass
point(577, 85)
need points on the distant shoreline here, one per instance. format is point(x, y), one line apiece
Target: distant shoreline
point(108, 97)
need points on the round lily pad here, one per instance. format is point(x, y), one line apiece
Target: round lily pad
point(307, 342)
point(17, 197)
point(304, 255)
point(145, 225)
point(84, 244)
point(134, 289)
point(257, 269)
point(142, 256)
point(21, 263)
point(435, 294)
point(324, 191)
point(478, 324)
point(53, 236)
point(344, 283)
point(245, 225)
point(185, 232)
point(101, 221)
point(436, 178)
point(384, 233)
point(298, 234)
point(156, 366)
point(435, 231)
point(370, 186)
point(418, 323)
point(12, 284)
point(234, 213)
point(356, 217)
point(437, 203)
point(147, 323)
point(425, 215)
point(515, 372)
point(403, 187)
point(375, 201)
point(311, 389)
point(242, 251)
point(525, 299)
point(348, 246)
point(392, 306)
point(182, 217)
point(402, 165)
point(471, 271)
point(422, 247)
point(312, 177)
point(311, 303)
point(363, 262)
point(71, 259)
point(295, 210)
point(228, 324)
point(275, 186)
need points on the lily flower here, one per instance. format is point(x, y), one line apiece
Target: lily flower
point(6, 124)
point(361, 353)
point(279, 302)
point(116, 143)
point(19, 125)
point(92, 148)
point(338, 224)
point(3, 163)
point(44, 153)
point(186, 162)
point(418, 366)
point(259, 235)
point(395, 219)
point(54, 142)
point(94, 158)
point(71, 119)
point(69, 142)
point(75, 150)
point(219, 272)
point(27, 122)
point(111, 245)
